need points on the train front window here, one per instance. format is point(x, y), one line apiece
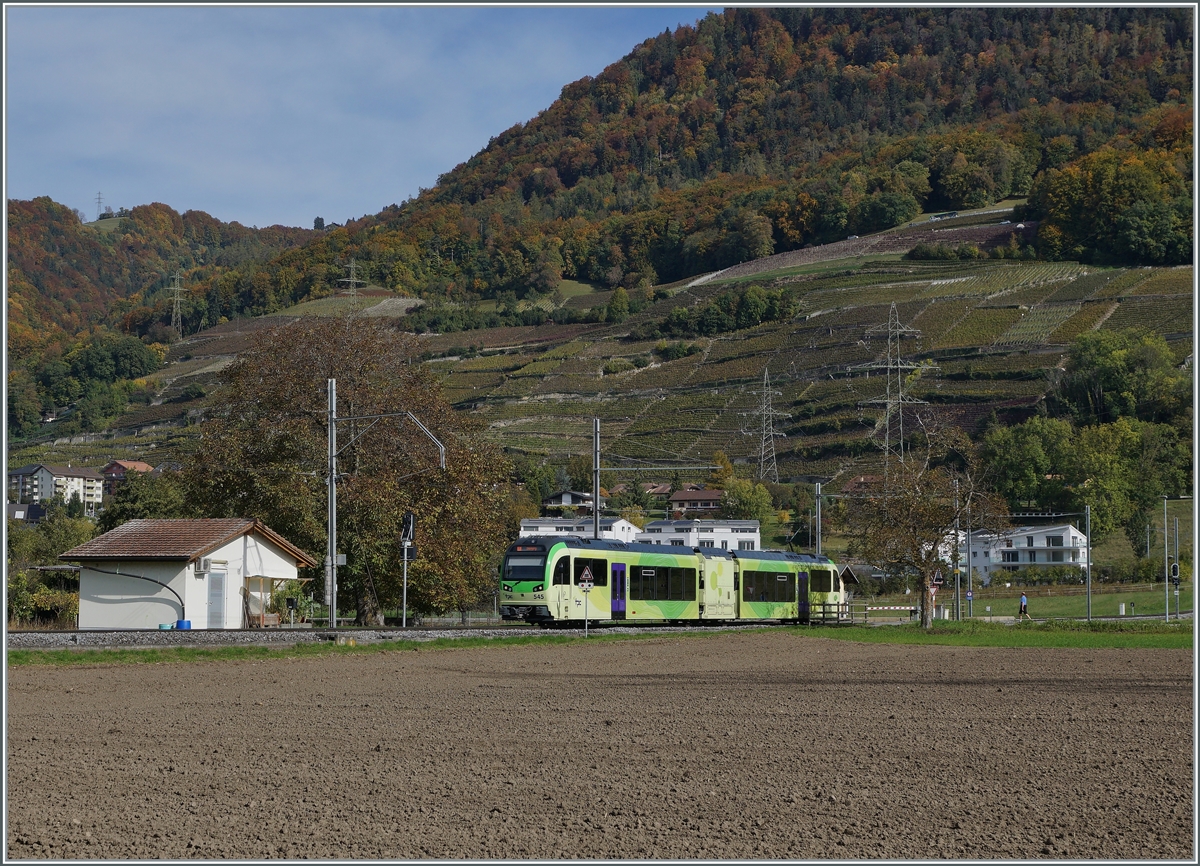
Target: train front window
point(525, 568)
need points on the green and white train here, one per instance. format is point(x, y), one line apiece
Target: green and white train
point(541, 577)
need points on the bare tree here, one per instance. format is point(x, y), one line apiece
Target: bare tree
point(905, 525)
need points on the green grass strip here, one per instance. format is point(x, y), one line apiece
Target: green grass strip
point(1142, 634)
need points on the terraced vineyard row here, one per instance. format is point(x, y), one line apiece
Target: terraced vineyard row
point(1036, 326)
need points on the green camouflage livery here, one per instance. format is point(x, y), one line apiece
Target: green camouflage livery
point(562, 580)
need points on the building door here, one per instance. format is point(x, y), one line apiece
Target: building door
point(216, 599)
point(618, 590)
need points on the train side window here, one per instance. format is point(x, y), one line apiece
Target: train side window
point(662, 585)
point(598, 567)
point(562, 572)
point(821, 581)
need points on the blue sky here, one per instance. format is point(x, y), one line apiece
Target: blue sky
point(270, 115)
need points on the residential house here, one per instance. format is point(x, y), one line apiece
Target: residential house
point(1026, 547)
point(571, 499)
point(721, 534)
point(40, 482)
point(114, 473)
point(695, 501)
point(213, 574)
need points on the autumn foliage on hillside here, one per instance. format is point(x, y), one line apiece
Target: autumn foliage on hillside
point(753, 132)
point(761, 131)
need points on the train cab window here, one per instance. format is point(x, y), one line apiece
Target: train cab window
point(562, 572)
point(597, 567)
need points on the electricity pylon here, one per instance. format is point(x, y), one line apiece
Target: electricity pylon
point(765, 429)
point(353, 280)
point(176, 290)
point(893, 399)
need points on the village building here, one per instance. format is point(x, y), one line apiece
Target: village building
point(721, 534)
point(695, 501)
point(572, 499)
point(41, 482)
point(1029, 547)
point(114, 473)
point(614, 528)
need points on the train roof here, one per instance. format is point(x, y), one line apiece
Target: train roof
point(542, 542)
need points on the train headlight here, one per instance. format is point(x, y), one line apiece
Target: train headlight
point(539, 587)
point(507, 587)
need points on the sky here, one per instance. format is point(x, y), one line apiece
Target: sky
point(276, 115)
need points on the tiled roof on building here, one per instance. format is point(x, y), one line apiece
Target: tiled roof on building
point(177, 539)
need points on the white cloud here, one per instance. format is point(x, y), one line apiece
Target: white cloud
point(268, 115)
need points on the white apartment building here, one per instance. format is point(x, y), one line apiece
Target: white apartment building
point(40, 482)
point(1027, 547)
point(613, 528)
point(721, 534)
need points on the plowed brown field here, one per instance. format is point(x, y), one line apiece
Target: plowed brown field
point(748, 745)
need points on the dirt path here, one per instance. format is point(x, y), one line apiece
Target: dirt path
point(752, 745)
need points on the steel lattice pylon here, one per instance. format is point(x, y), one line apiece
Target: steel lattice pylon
point(893, 399)
point(176, 290)
point(765, 430)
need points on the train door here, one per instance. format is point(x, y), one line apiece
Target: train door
point(802, 610)
point(559, 597)
point(618, 592)
point(737, 590)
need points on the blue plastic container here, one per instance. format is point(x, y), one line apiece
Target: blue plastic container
point(183, 623)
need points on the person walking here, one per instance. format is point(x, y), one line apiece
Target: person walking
point(1024, 609)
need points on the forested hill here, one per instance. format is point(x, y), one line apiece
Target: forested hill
point(761, 131)
point(66, 278)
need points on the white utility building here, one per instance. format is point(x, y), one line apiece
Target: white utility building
point(216, 574)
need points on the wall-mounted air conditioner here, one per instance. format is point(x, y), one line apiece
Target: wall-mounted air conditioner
point(204, 566)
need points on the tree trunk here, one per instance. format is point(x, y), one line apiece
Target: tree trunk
point(927, 598)
point(367, 611)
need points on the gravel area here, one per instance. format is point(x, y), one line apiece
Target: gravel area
point(287, 636)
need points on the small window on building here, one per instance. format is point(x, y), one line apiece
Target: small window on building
point(1056, 556)
point(1009, 556)
point(1033, 556)
point(1029, 541)
point(1008, 542)
point(724, 545)
point(677, 542)
point(706, 542)
point(1074, 556)
point(745, 545)
point(1054, 541)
